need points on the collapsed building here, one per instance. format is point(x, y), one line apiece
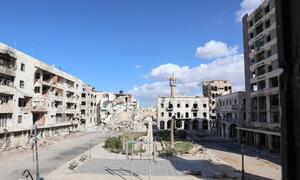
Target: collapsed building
point(120, 112)
point(35, 93)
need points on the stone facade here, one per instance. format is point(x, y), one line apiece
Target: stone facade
point(231, 113)
point(190, 112)
point(261, 78)
point(32, 92)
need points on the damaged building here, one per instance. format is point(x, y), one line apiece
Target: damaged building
point(190, 112)
point(261, 79)
point(213, 89)
point(231, 113)
point(34, 93)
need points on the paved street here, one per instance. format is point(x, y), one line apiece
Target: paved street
point(12, 165)
point(258, 164)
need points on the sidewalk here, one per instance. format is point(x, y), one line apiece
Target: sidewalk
point(106, 165)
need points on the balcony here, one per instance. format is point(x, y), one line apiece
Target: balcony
point(8, 70)
point(71, 111)
point(7, 89)
point(195, 109)
point(7, 107)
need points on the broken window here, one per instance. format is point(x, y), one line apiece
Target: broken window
point(162, 114)
point(274, 82)
point(186, 114)
point(37, 89)
point(267, 23)
point(19, 119)
point(261, 85)
point(204, 105)
point(260, 56)
point(262, 102)
point(274, 100)
point(195, 114)
point(261, 70)
point(22, 84)
point(178, 105)
point(22, 67)
point(259, 29)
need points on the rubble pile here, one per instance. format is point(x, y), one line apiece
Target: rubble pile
point(122, 115)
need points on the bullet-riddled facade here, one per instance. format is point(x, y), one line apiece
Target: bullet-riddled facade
point(211, 90)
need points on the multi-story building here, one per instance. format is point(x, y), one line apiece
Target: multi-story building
point(34, 93)
point(231, 113)
point(88, 106)
point(190, 112)
point(261, 78)
point(213, 89)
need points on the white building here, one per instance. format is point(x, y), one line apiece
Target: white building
point(32, 92)
point(231, 113)
point(190, 112)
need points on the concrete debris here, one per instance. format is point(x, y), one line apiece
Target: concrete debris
point(121, 113)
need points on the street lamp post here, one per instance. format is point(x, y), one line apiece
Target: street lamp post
point(243, 167)
point(35, 148)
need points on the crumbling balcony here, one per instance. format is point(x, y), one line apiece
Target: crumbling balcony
point(7, 64)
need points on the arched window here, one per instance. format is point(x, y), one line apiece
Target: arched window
point(162, 124)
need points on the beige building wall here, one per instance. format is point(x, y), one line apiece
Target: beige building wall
point(32, 92)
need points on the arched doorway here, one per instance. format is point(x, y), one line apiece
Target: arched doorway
point(195, 125)
point(186, 125)
point(169, 124)
point(204, 125)
point(178, 123)
point(233, 131)
point(162, 124)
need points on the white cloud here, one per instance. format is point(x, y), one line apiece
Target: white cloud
point(247, 6)
point(190, 78)
point(215, 49)
point(138, 66)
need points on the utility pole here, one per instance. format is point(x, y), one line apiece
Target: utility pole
point(36, 152)
point(243, 168)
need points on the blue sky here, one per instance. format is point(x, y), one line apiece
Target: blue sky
point(103, 41)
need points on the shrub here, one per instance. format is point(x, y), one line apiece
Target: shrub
point(114, 144)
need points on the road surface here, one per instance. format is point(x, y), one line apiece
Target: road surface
point(12, 165)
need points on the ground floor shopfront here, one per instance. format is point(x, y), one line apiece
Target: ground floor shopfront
point(259, 138)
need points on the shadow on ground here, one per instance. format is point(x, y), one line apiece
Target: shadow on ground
point(209, 169)
point(218, 143)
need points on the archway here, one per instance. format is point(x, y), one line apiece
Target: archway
point(186, 125)
point(233, 131)
point(195, 125)
point(178, 123)
point(204, 125)
point(224, 130)
point(169, 124)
